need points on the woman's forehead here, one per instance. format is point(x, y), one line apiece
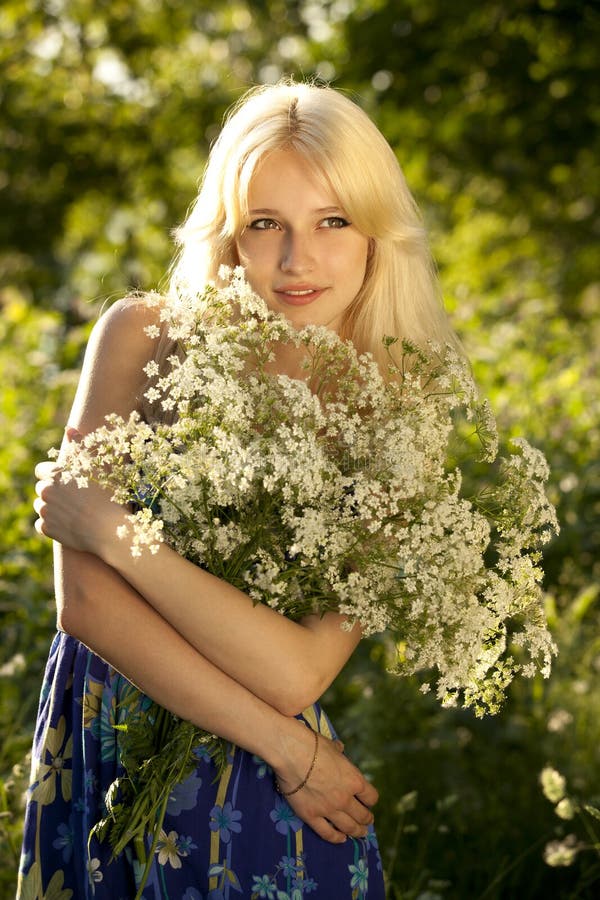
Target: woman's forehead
point(289, 169)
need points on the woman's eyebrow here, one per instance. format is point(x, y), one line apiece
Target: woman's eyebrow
point(271, 212)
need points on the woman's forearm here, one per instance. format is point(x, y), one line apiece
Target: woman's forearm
point(287, 664)
point(103, 611)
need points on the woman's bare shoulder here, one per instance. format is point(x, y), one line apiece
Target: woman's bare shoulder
point(123, 340)
point(126, 335)
point(132, 321)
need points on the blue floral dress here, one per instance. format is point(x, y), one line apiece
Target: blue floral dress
point(233, 837)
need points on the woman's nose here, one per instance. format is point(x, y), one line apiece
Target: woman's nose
point(297, 254)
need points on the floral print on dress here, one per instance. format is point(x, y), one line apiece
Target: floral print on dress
point(54, 766)
point(225, 819)
point(65, 839)
point(223, 838)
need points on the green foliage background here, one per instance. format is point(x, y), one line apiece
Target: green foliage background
point(107, 110)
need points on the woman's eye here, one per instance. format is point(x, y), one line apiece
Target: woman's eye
point(335, 222)
point(263, 224)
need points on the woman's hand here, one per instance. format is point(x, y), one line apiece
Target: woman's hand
point(81, 518)
point(336, 798)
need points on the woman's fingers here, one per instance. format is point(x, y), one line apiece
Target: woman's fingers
point(326, 830)
point(39, 523)
point(349, 815)
point(43, 486)
point(40, 507)
point(338, 822)
point(336, 798)
point(83, 519)
point(360, 813)
point(346, 824)
point(49, 503)
point(47, 470)
point(368, 796)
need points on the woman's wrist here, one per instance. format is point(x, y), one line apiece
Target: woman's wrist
point(290, 752)
point(291, 791)
point(112, 540)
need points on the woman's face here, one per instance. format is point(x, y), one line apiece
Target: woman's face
point(300, 252)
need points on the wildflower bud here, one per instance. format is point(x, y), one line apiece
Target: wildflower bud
point(553, 784)
point(565, 809)
point(561, 853)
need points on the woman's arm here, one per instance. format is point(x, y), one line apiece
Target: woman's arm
point(97, 606)
point(287, 664)
point(134, 639)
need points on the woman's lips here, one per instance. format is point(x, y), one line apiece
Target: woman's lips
point(298, 295)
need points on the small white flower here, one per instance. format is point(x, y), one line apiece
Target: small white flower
point(151, 369)
point(565, 808)
point(562, 853)
point(553, 784)
point(152, 395)
point(95, 876)
point(558, 720)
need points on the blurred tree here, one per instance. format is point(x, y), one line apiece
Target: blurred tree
point(502, 101)
point(107, 109)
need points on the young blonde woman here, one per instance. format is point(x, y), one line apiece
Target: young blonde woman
point(301, 190)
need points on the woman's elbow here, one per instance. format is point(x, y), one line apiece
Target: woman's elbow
point(73, 613)
point(70, 616)
point(78, 589)
point(293, 695)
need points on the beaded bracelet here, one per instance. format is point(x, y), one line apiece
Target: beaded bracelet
point(308, 774)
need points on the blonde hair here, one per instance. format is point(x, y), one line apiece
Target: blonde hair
point(400, 294)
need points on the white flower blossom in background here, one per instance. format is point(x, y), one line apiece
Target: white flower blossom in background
point(558, 720)
point(341, 490)
point(553, 784)
point(562, 853)
point(566, 807)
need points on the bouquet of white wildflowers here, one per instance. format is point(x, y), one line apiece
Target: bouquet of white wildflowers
point(340, 490)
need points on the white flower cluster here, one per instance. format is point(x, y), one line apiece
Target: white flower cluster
point(338, 491)
point(564, 852)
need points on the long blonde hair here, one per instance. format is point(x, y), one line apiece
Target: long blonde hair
point(400, 295)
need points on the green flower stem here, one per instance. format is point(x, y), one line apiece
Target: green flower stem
point(148, 810)
point(155, 836)
point(163, 723)
point(140, 850)
point(588, 826)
